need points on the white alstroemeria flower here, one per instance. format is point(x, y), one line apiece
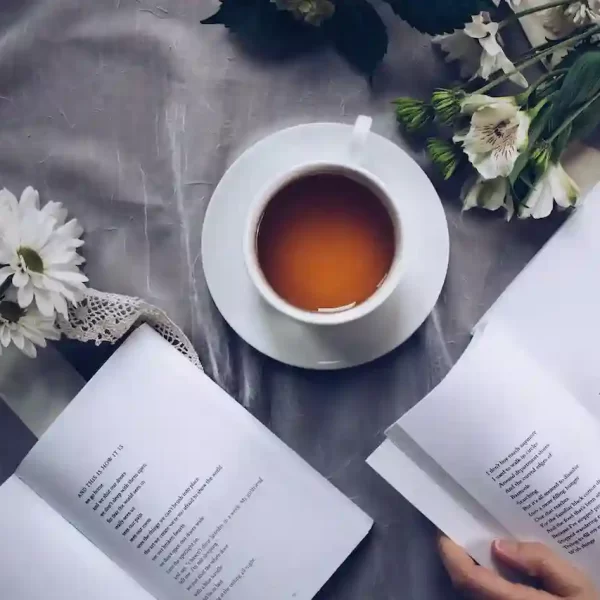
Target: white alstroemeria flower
point(473, 102)
point(459, 47)
point(493, 58)
point(584, 12)
point(555, 185)
point(490, 194)
point(25, 328)
point(39, 251)
point(478, 49)
point(497, 134)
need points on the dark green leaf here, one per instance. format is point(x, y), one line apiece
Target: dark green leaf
point(522, 186)
point(262, 28)
point(437, 16)
point(535, 131)
point(586, 122)
point(519, 166)
point(358, 33)
point(573, 53)
point(560, 143)
point(579, 84)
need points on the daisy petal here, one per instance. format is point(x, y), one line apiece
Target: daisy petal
point(30, 199)
point(72, 277)
point(25, 295)
point(4, 335)
point(29, 349)
point(31, 334)
point(18, 339)
point(60, 304)
point(44, 302)
point(20, 279)
point(56, 211)
point(71, 295)
point(8, 201)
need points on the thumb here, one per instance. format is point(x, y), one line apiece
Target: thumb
point(536, 560)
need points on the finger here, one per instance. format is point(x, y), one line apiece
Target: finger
point(558, 575)
point(479, 581)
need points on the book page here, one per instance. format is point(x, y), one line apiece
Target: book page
point(552, 306)
point(43, 556)
point(184, 489)
point(415, 475)
point(519, 444)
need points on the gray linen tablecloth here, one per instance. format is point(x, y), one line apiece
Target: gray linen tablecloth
point(129, 112)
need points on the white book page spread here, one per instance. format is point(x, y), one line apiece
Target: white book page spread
point(432, 491)
point(43, 556)
point(185, 490)
point(519, 444)
point(553, 305)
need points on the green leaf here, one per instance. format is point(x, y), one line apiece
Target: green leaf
point(262, 28)
point(535, 131)
point(579, 84)
point(573, 53)
point(560, 143)
point(358, 34)
point(586, 122)
point(355, 29)
point(438, 16)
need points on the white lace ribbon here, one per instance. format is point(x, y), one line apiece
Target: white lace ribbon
point(103, 317)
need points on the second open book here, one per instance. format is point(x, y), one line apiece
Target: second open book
point(508, 445)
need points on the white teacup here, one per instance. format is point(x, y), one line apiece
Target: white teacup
point(348, 166)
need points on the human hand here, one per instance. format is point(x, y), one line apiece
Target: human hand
point(558, 578)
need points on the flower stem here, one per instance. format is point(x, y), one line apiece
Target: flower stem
point(570, 120)
point(534, 59)
point(543, 79)
point(529, 11)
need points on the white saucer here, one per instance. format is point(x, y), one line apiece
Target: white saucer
point(426, 251)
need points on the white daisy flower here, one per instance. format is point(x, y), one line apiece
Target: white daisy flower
point(478, 49)
point(555, 185)
point(490, 194)
point(25, 328)
point(38, 249)
point(497, 134)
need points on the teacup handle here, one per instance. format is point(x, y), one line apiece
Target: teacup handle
point(360, 133)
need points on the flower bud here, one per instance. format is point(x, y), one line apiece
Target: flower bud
point(445, 155)
point(447, 105)
point(412, 114)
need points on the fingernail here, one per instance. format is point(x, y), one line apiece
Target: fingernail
point(506, 546)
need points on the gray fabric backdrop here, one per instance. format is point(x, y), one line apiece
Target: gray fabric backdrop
point(129, 112)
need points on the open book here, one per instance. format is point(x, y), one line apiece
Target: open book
point(508, 445)
point(154, 483)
